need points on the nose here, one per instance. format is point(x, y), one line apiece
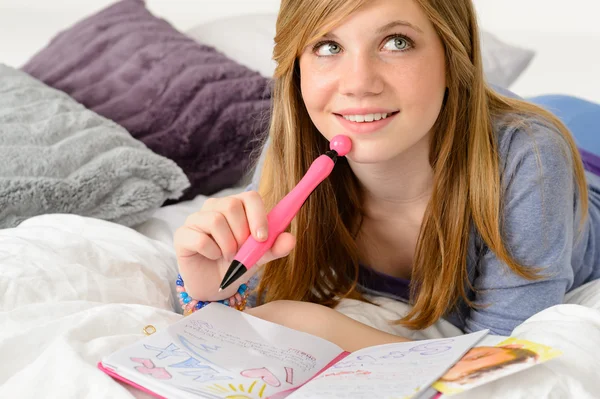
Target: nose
point(360, 76)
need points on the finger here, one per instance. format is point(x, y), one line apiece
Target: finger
point(189, 242)
point(282, 246)
point(215, 224)
point(233, 210)
point(256, 214)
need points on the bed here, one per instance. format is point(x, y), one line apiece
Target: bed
point(74, 287)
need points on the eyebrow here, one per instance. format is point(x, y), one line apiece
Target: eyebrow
point(383, 29)
point(393, 24)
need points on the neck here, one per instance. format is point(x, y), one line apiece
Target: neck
point(397, 186)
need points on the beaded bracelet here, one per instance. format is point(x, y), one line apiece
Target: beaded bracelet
point(190, 305)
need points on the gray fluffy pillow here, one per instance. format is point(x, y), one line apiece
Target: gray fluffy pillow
point(56, 156)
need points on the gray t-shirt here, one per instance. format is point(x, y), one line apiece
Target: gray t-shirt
point(541, 219)
point(541, 213)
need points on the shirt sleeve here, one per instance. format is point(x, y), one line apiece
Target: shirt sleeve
point(537, 226)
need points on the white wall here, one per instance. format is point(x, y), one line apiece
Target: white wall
point(565, 33)
point(27, 25)
point(572, 16)
point(544, 15)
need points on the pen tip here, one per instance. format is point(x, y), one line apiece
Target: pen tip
point(220, 289)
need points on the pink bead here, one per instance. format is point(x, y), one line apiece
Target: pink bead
point(180, 288)
point(341, 144)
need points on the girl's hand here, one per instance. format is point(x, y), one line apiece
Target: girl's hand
point(210, 238)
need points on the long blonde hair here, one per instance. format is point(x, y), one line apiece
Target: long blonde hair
point(467, 192)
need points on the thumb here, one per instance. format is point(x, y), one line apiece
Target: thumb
point(282, 246)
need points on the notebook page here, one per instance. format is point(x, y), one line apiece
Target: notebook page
point(220, 352)
point(397, 371)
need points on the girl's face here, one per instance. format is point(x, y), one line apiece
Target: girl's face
point(378, 77)
point(477, 359)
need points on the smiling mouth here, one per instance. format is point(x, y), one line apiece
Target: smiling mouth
point(369, 118)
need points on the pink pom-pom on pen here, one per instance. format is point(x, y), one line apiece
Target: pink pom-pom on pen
point(341, 144)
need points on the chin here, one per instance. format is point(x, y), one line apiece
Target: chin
point(370, 150)
point(371, 156)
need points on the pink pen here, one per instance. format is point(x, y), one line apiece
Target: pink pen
point(282, 214)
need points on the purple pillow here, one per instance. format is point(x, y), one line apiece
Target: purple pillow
point(184, 100)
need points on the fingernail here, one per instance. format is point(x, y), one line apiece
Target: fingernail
point(261, 233)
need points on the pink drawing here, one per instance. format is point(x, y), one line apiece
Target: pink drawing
point(148, 367)
point(289, 375)
point(264, 374)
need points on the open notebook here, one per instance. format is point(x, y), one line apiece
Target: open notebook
point(219, 352)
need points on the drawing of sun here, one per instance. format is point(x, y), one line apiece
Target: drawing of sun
point(240, 392)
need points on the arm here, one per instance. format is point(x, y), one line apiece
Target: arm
point(324, 322)
point(538, 228)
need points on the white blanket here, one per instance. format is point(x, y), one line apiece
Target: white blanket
point(74, 289)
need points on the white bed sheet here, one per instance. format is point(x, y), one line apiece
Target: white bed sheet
point(75, 289)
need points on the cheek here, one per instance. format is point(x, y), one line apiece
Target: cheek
point(421, 88)
point(316, 85)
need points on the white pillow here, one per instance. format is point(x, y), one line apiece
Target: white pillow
point(503, 63)
point(61, 258)
point(248, 39)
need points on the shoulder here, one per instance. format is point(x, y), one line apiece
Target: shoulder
point(520, 136)
point(530, 145)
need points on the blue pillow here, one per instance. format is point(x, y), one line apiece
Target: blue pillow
point(582, 117)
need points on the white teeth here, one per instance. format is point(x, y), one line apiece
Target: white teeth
point(365, 118)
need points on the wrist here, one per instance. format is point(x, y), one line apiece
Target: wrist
point(189, 304)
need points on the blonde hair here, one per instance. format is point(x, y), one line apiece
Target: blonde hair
point(324, 266)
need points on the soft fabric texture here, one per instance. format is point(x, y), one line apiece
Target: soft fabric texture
point(184, 100)
point(255, 51)
point(590, 161)
point(581, 116)
point(503, 62)
point(56, 156)
point(75, 289)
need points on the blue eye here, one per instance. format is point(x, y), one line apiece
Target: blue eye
point(325, 49)
point(394, 43)
point(398, 43)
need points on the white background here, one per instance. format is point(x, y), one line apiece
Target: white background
point(565, 34)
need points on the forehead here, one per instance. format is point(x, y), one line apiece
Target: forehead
point(376, 13)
